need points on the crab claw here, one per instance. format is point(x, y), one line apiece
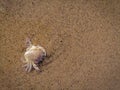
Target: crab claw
point(28, 42)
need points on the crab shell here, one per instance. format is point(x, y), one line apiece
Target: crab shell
point(33, 55)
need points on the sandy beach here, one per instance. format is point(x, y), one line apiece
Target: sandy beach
point(81, 37)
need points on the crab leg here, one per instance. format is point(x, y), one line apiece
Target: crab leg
point(35, 66)
point(30, 67)
point(25, 65)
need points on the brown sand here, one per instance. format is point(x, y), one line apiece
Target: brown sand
point(82, 38)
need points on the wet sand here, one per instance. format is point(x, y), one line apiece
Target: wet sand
point(81, 37)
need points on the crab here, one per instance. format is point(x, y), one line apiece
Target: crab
point(33, 55)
